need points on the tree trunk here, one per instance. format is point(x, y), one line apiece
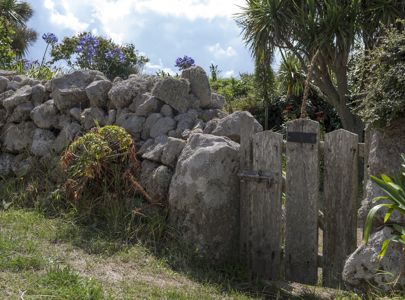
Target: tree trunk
point(350, 121)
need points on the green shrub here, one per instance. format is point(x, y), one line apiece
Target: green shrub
point(86, 51)
point(380, 74)
point(101, 169)
point(7, 55)
point(395, 195)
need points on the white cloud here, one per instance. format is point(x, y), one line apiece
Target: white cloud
point(151, 68)
point(230, 73)
point(121, 17)
point(65, 20)
point(219, 51)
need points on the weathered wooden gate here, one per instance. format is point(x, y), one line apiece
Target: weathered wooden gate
point(279, 236)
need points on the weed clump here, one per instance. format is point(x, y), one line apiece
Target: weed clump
point(101, 169)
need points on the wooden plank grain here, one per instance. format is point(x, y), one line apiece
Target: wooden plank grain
point(302, 193)
point(266, 206)
point(340, 190)
point(246, 157)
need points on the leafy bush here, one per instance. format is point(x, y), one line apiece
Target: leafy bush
point(395, 194)
point(381, 75)
point(87, 51)
point(7, 55)
point(101, 168)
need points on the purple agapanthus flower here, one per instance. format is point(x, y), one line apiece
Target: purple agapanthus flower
point(184, 62)
point(50, 38)
point(115, 53)
point(87, 46)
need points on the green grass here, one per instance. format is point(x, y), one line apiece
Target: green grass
point(43, 258)
point(47, 253)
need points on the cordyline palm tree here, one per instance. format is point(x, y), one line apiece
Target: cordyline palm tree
point(290, 76)
point(15, 14)
point(328, 28)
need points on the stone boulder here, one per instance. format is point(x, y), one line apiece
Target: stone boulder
point(45, 115)
point(162, 127)
point(163, 149)
point(363, 269)
point(92, 116)
point(124, 92)
point(17, 137)
point(22, 95)
point(131, 123)
point(3, 84)
point(6, 163)
point(230, 125)
point(217, 101)
point(148, 106)
point(199, 84)
point(21, 113)
point(66, 136)
point(384, 157)
point(39, 94)
point(204, 196)
point(70, 90)
point(174, 92)
point(42, 142)
point(97, 92)
point(155, 179)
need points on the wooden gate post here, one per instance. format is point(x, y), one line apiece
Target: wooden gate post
point(302, 193)
point(340, 190)
point(266, 205)
point(246, 157)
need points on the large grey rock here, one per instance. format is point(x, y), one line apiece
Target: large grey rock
point(5, 95)
point(45, 115)
point(150, 105)
point(76, 113)
point(162, 127)
point(167, 111)
point(66, 136)
point(174, 92)
point(217, 101)
point(69, 90)
point(22, 95)
point(21, 113)
point(42, 142)
point(363, 269)
point(6, 163)
point(186, 121)
point(155, 180)
point(153, 151)
point(123, 93)
point(39, 94)
point(230, 125)
point(18, 137)
point(209, 114)
point(3, 84)
point(384, 157)
point(93, 116)
point(131, 123)
point(199, 84)
point(172, 151)
point(204, 196)
point(150, 121)
point(97, 92)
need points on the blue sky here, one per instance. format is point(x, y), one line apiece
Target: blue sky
point(161, 29)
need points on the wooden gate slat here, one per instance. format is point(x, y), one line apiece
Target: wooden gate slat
point(266, 206)
point(246, 156)
point(302, 193)
point(340, 209)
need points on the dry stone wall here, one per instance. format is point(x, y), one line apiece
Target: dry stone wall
point(186, 142)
